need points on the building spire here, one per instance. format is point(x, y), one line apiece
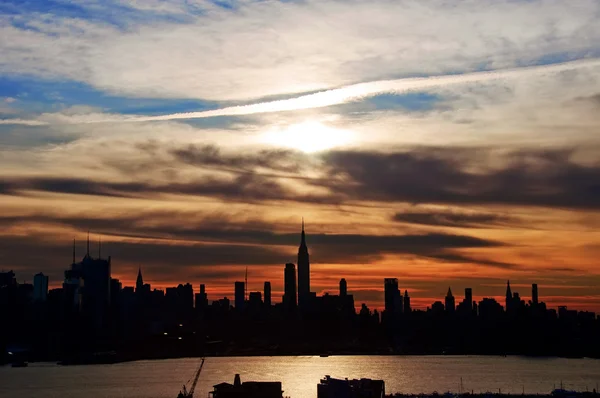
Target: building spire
point(449, 292)
point(303, 238)
point(139, 283)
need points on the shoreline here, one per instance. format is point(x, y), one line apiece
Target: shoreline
point(117, 360)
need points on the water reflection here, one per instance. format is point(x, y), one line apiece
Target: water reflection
point(300, 375)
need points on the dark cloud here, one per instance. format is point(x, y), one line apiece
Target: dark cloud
point(594, 99)
point(241, 188)
point(209, 155)
point(453, 219)
point(465, 176)
point(456, 176)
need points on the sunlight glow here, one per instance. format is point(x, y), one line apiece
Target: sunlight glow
point(309, 136)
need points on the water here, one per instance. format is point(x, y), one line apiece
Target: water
point(300, 375)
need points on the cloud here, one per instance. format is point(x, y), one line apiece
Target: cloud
point(258, 49)
point(454, 218)
point(245, 187)
point(556, 178)
point(211, 156)
point(546, 178)
point(356, 92)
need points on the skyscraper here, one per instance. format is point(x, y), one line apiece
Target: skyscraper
point(139, 282)
point(87, 286)
point(450, 304)
point(509, 297)
point(390, 292)
point(267, 292)
point(202, 298)
point(240, 293)
point(303, 272)
point(534, 293)
point(289, 296)
point(40, 287)
point(343, 287)
point(407, 308)
point(469, 298)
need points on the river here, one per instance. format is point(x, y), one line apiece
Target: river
point(300, 375)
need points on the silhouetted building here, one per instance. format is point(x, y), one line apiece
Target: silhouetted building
point(87, 286)
point(509, 298)
point(490, 309)
point(247, 389)
point(180, 299)
point(363, 388)
point(437, 308)
point(115, 293)
point(449, 302)
point(267, 291)
point(139, 282)
point(469, 299)
point(202, 298)
point(289, 295)
point(255, 301)
point(303, 273)
point(343, 287)
point(40, 287)
point(7, 279)
point(534, 294)
point(391, 293)
point(407, 309)
point(240, 295)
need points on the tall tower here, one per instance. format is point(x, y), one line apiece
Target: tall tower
point(469, 298)
point(509, 297)
point(139, 283)
point(303, 273)
point(407, 308)
point(534, 294)
point(343, 287)
point(450, 304)
point(390, 292)
point(289, 295)
point(240, 295)
point(267, 294)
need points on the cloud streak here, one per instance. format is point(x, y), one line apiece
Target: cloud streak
point(355, 92)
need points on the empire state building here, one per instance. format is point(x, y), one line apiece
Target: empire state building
point(303, 273)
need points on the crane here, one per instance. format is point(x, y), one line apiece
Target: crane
point(184, 393)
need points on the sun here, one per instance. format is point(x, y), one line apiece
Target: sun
point(309, 136)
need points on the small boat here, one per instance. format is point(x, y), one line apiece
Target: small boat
point(185, 393)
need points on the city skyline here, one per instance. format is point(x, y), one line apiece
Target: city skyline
point(442, 143)
point(240, 292)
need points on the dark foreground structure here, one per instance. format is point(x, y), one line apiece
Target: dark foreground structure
point(248, 389)
point(363, 388)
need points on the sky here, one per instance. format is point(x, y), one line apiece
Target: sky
point(444, 143)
